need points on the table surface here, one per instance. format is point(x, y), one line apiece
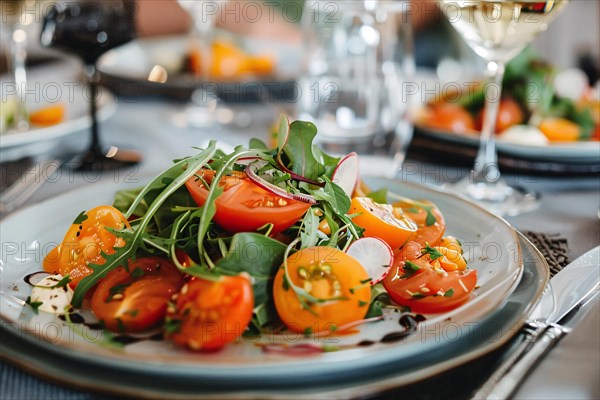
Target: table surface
point(569, 207)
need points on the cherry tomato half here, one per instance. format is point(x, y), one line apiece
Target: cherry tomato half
point(450, 117)
point(509, 114)
point(210, 314)
point(85, 242)
point(324, 273)
point(136, 299)
point(383, 221)
point(429, 219)
point(417, 282)
point(244, 206)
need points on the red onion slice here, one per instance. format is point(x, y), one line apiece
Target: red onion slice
point(272, 188)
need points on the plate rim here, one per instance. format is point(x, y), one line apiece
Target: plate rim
point(546, 152)
point(106, 108)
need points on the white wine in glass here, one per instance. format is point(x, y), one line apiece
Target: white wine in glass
point(497, 31)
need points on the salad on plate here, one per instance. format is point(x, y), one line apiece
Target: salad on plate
point(258, 240)
point(540, 106)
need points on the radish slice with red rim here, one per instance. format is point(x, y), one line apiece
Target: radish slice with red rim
point(345, 174)
point(375, 255)
point(272, 188)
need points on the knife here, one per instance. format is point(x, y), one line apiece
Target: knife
point(566, 290)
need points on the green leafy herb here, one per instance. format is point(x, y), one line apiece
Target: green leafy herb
point(449, 293)
point(379, 196)
point(62, 282)
point(410, 268)
point(35, 305)
point(80, 218)
point(298, 148)
point(176, 175)
point(433, 253)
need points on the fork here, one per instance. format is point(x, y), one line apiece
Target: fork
point(31, 180)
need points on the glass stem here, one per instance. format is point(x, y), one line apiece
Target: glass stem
point(91, 75)
point(18, 52)
point(486, 163)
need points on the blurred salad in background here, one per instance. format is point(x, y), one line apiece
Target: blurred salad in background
point(540, 104)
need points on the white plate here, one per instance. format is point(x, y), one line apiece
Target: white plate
point(582, 152)
point(43, 359)
point(76, 118)
point(136, 59)
point(53, 84)
point(491, 246)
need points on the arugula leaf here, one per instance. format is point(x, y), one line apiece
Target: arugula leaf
point(209, 209)
point(310, 227)
point(298, 148)
point(257, 144)
point(177, 175)
point(379, 196)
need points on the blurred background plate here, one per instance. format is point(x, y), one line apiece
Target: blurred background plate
point(460, 150)
point(54, 81)
point(125, 70)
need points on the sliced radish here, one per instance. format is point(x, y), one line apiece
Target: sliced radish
point(345, 173)
point(272, 188)
point(375, 256)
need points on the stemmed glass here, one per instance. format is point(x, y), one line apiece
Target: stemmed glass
point(87, 29)
point(201, 112)
point(497, 30)
point(14, 19)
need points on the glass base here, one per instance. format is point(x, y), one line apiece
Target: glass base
point(496, 197)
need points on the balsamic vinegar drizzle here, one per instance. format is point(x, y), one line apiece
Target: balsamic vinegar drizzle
point(29, 279)
point(409, 322)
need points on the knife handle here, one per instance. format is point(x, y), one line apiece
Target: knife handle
point(511, 381)
point(531, 332)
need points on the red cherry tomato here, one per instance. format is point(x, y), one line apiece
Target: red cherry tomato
point(244, 206)
point(509, 114)
point(451, 117)
point(417, 282)
point(136, 299)
point(210, 314)
point(429, 219)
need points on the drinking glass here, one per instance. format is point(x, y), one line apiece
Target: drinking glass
point(202, 108)
point(87, 29)
point(497, 30)
point(14, 18)
point(358, 55)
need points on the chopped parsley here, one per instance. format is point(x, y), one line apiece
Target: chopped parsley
point(33, 304)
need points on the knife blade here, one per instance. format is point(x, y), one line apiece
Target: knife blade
point(566, 290)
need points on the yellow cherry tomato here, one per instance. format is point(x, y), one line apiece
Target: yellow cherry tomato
point(327, 274)
point(383, 221)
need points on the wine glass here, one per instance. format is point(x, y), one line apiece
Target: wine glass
point(497, 30)
point(87, 29)
point(14, 19)
point(202, 110)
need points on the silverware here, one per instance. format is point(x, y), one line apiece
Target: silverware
point(31, 180)
point(543, 330)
